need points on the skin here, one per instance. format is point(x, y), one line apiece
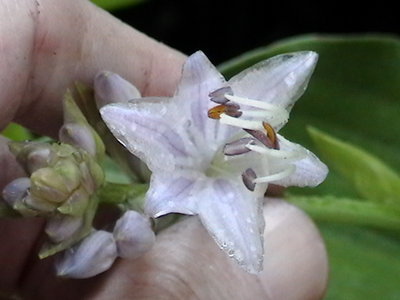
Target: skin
point(44, 46)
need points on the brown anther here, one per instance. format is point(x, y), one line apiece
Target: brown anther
point(216, 111)
point(230, 109)
point(271, 134)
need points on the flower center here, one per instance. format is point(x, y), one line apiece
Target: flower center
point(258, 120)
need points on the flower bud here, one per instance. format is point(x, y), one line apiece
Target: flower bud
point(32, 155)
point(64, 184)
point(61, 228)
point(94, 255)
point(15, 194)
point(79, 136)
point(112, 88)
point(16, 190)
point(133, 235)
point(76, 204)
point(78, 132)
point(55, 184)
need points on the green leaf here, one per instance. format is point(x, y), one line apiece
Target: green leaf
point(17, 132)
point(372, 178)
point(116, 4)
point(350, 211)
point(364, 264)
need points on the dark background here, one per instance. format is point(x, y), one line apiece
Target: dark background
point(224, 29)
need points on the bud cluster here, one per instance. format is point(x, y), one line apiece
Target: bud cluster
point(132, 237)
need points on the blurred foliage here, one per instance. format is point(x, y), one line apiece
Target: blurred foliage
point(354, 95)
point(116, 4)
point(16, 132)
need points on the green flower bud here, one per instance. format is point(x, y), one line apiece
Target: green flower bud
point(65, 183)
point(55, 184)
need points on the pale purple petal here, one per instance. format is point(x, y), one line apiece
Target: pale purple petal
point(310, 171)
point(280, 80)
point(199, 79)
point(172, 194)
point(233, 217)
point(150, 132)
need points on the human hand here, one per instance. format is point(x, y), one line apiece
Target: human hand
point(44, 47)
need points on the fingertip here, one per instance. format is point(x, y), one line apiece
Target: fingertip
point(296, 262)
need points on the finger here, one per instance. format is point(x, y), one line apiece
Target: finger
point(185, 263)
point(44, 46)
point(17, 236)
point(48, 44)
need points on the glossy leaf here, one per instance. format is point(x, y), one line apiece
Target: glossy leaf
point(364, 264)
point(370, 176)
point(16, 132)
point(350, 211)
point(116, 4)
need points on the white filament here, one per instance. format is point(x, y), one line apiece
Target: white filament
point(237, 122)
point(276, 153)
point(277, 176)
point(275, 115)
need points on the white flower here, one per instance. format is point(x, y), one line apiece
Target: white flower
point(212, 167)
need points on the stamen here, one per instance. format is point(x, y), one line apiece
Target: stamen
point(255, 103)
point(276, 153)
point(245, 124)
point(230, 109)
point(274, 177)
point(276, 115)
point(238, 147)
point(262, 137)
point(249, 177)
point(271, 135)
point(218, 96)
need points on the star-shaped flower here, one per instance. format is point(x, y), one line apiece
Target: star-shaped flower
point(213, 147)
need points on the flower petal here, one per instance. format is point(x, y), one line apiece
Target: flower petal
point(172, 194)
point(148, 130)
point(280, 80)
point(310, 171)
point(233, 217)
point(199, 79)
